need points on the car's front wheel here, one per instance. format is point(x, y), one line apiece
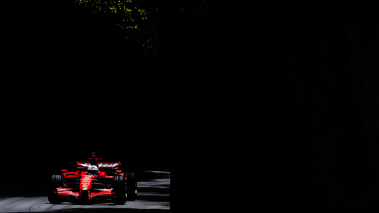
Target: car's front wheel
point(131, 186)
point(55, 182)
point(119, 189)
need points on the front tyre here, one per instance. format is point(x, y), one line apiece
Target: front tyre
point(55, 182)
point(119, 189)
point(131, 186)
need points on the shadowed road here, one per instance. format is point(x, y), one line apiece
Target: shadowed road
point(153, 196)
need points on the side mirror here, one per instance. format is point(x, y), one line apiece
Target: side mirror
point(64, 170)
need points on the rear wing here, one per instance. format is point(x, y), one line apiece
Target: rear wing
point(101, 164)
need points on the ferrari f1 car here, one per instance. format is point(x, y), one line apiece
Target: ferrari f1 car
point(94, 180)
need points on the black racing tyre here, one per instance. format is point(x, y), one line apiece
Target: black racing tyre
point(55, 182)
point(131, 186)
point(119, 187)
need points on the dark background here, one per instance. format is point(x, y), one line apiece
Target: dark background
point(253, 105)
point(70, 85)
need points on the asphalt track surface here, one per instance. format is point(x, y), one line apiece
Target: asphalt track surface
point(153, 196)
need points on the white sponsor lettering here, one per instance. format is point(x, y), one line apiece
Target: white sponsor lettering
point(109, 165)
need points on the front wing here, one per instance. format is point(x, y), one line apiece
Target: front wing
point(75, 193)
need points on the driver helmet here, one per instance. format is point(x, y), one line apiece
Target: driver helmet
point(93, 169)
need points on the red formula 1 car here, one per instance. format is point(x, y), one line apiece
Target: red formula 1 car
point(94, 180)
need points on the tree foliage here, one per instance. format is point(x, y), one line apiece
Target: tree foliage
point(128, 16)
